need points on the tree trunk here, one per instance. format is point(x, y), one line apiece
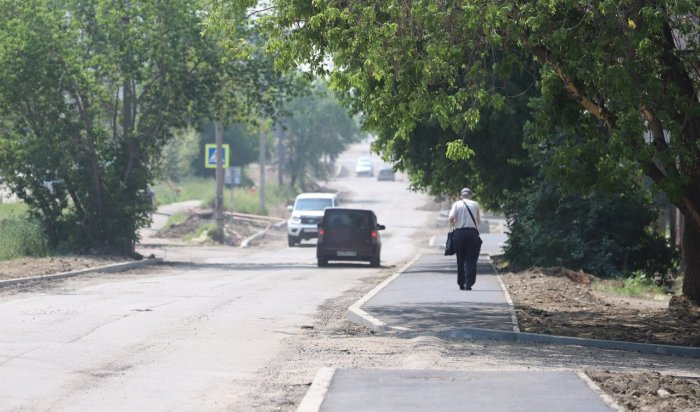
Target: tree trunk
point(691, 257)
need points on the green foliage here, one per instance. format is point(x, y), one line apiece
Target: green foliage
point(628, 66)
point(606, 235)
point(13, 210)
point(91, 92)
point(316, 130)
point(20, 237)
point(243, 141)
point(178, 153)
point(637, 285)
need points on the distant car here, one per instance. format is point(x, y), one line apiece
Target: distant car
point(364, 167)
point(385, 173)
point(349, 234)
point(306, 213)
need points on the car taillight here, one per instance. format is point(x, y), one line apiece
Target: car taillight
point(321, 232)
point(374, 234)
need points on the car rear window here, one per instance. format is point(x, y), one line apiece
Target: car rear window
point(348, 219)
point(313, 204)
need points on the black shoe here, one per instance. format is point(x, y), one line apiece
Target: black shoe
point(461, 287)
point(468, 288)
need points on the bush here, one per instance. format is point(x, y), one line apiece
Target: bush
point(603, 235)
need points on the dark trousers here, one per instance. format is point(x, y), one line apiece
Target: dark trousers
point(468, 247)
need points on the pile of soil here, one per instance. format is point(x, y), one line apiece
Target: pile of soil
point(649, 391)
point(236, 229)
point(558, 301)
point(189, 226)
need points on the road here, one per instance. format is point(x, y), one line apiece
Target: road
point(191, 334)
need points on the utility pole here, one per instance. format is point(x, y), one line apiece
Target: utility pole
point(261, 160)
point(219, 202)
point(280, 153)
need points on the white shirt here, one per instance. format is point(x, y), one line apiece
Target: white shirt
point(461, 216)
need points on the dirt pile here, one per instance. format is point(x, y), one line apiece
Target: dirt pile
point(237, 228)
point(561, 302)
point(649, 391)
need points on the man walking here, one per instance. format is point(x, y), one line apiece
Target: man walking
point(465, 217)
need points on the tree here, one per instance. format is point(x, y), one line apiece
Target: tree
point(630, 65)
point(317, 130)
point(497, 167)
point(91, 91)
point(178, 154)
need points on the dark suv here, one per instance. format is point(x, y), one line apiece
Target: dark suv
point(349, 234)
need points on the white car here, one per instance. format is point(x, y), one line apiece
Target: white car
point(364, 167)
point(306, 214)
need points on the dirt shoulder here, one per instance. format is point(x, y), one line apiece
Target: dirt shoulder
point(36, 267)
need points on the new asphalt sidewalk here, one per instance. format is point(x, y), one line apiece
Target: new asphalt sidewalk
point(423, 297)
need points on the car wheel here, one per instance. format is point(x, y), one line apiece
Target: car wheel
point(374, 262)
point(292, 240)
point(322, 262)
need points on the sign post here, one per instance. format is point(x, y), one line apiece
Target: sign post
point(233, 179)
point(219, 157)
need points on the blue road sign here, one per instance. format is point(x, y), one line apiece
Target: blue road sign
point(210, 155)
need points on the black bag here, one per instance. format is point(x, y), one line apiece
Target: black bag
point(450, 248)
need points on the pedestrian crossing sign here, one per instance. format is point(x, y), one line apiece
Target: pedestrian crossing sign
point(210, 155)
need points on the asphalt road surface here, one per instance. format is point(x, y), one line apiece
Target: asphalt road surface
point(189, 335)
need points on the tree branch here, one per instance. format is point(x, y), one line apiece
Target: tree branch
point(592, 107)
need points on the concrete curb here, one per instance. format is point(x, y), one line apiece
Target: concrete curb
point(513, 315)
point(356, 314)
point(117, 267)
point(317, 392)
point(604, 396)
point(490, 334)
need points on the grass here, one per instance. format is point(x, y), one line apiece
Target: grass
point(175, 219)
point(190, 188)
point(248, 201)
point(13, 210)
point(637, 285)
point(202, 232)
point(244, 199)
point(20, 236)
